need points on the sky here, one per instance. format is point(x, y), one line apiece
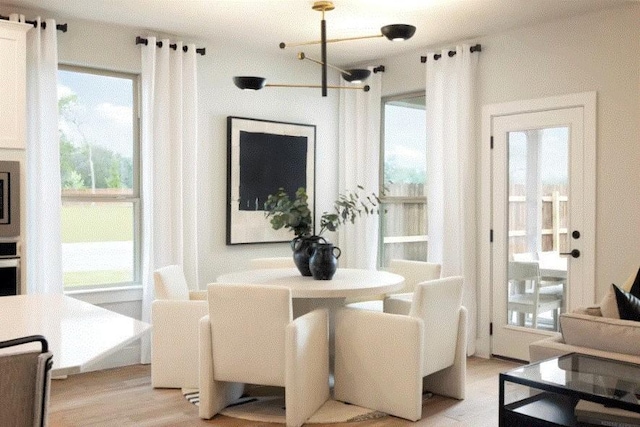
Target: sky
point(106, 113)
point(405, 140)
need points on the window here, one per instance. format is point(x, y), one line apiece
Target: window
point(99, 169)
point(403, 226)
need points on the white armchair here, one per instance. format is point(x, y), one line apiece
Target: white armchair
point(250, 336)
point(384, 361)
point(413, 272)
point(175, 314)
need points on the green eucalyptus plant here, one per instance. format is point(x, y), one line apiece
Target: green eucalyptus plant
point(296, 215)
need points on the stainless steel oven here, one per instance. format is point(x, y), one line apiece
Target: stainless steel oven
point(9, 199)
point(9, 268)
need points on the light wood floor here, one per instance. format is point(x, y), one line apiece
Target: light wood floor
point(124, 397)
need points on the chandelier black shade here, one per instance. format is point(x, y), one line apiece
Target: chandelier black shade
point(398, 31)
point(249, 82)
point(356, 75)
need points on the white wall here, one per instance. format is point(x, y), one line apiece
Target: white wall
point(595, 52)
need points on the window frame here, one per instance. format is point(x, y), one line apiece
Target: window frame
point(388, 200)
point(134, 198)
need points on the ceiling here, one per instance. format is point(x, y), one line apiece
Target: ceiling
point(263, 24)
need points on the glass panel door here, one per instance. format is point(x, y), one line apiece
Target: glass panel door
point(537, 222)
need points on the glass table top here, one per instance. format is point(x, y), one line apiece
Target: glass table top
point(611, 379)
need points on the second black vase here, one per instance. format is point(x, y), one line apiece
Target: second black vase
point(302, 247)
point(324, 261)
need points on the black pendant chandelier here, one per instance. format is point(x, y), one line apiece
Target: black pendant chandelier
point(391, 32)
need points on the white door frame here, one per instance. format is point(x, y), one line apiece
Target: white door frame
point(586, 100)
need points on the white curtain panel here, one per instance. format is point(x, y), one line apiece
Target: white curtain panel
point(451, 170)
point(358, 157)
point(43, 251)
point(169, 162)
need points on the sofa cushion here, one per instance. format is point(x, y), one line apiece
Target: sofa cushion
point(601, 333)
point(591, 311)
point(628, 305)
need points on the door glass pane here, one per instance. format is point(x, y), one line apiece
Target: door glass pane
point(97, 243)
point(537, 224)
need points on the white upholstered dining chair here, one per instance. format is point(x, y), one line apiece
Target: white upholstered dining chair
point(250, 336)
point(385, 361)
point(413, 272)
point(175, 313)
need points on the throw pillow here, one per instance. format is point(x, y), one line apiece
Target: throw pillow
point(609, 305)
point(628, 305)
point(635, 287)
point(626, 286)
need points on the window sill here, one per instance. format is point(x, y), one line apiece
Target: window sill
point(107, 295)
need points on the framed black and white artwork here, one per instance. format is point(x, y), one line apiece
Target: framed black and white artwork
point(263, 156)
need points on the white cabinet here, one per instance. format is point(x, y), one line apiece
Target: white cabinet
point(13, 80)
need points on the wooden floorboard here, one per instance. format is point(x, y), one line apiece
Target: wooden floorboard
point(124, 397)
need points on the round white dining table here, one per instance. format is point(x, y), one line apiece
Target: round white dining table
point(346, 283)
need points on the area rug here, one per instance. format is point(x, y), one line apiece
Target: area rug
point(267, 405)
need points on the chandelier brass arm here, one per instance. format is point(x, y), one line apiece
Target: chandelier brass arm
point(365, 88)
point(284, 45)
point(257, 83)
point(301, 56)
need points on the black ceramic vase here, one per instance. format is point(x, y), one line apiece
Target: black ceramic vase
point(324, 261)
point(302, 247)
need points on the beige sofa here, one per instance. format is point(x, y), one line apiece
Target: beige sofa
point(587, 331)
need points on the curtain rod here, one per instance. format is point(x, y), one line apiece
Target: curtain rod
point(174, 46)
point(59, 27)
point(452, 53)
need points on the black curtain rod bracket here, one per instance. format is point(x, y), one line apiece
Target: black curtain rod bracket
point(452, 53)
point(379, 69)
point(59, 27)
point(174, 46)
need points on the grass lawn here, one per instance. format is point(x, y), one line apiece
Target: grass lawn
point(97, 222)
point(83, 278)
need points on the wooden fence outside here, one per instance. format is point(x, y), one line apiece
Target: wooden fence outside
point(554, 219)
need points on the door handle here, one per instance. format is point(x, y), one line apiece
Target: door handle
point(574, 253)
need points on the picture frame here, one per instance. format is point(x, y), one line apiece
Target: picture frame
point(263, 156)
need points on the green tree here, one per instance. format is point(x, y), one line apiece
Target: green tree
point(84, 164)
point(70, 110)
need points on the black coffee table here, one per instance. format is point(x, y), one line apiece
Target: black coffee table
point(554, 386)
